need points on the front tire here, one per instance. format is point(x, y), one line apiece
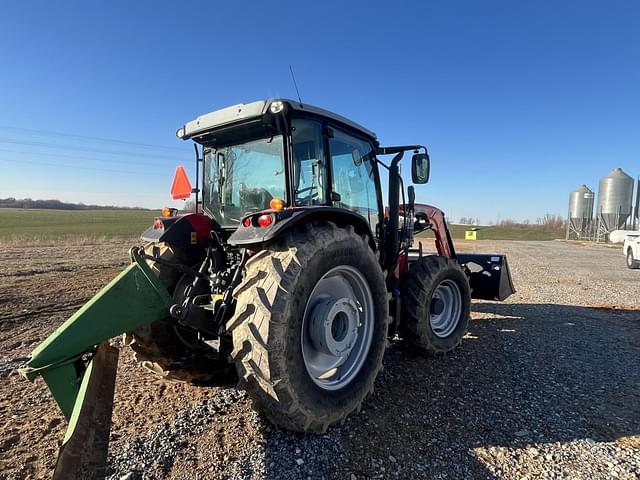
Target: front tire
point(306, 357)
point(436, 302)
point(632, 263)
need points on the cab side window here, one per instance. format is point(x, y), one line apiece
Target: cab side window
point(352, 170)
point(309, 166)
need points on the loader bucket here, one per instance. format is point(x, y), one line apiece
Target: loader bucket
point(490, 278)
point(80, 375)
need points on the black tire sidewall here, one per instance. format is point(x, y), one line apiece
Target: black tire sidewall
point(418, 287)
point(445, 343)
point(353, 254)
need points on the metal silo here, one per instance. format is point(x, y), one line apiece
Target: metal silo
point(615, 194)
point(580, 206)
point(580, 210)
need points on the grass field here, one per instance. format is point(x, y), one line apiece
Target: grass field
point(26, 225)
point(22, 225)
point(528, 232)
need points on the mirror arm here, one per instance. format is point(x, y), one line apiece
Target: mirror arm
point(392, 150)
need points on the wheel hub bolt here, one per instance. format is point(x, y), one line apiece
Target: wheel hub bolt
point(334, 326)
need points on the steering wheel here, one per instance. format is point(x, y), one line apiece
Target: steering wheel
point(307, 198)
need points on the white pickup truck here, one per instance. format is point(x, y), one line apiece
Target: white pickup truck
point(631, 249)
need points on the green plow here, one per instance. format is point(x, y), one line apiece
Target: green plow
point(79, 366)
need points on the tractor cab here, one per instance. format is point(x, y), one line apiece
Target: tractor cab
point(281, 154)
point(269, 161)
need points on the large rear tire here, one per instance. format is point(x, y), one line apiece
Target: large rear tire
point(169, 350)
point(435, 305)
point(310, 326)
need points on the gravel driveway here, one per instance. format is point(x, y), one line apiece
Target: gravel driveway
point(545, 385)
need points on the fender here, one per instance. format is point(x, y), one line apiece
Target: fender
point(250, 233)
point(183, 231)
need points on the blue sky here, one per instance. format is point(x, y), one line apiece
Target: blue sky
point(518, 102)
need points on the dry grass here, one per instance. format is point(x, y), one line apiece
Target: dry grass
point(46, 227)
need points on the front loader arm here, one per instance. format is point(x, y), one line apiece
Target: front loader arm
point(78, 365)
point(435, 218)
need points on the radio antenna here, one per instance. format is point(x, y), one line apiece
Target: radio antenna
point(295, 85)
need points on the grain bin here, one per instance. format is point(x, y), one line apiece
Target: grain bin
point(580, 208)
point(615, 194)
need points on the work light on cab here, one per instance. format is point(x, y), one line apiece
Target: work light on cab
point(276, 107)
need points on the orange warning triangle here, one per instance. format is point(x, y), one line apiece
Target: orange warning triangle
point(181, 186)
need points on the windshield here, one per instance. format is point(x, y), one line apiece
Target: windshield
point(241, 179)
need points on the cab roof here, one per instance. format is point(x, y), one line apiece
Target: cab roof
point(248, 111)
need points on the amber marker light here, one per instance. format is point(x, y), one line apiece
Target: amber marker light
point(276, 204)
point(168, 212)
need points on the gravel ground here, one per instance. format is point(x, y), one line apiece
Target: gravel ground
point(545, 385)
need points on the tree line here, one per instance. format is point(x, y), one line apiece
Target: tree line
point(548, 222)
point(57, 205)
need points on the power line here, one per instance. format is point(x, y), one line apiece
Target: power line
point(75, 157)
point(86, 137)
point(77, 167)
point(82, 149)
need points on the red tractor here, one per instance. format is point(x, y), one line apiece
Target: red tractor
point(291, 269)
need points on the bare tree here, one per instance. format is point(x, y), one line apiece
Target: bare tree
point(551, 221)
point(189, 206)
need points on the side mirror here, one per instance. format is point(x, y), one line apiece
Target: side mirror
point(420, 168)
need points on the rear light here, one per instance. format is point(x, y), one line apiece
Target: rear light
point(247, 222)
point(265, 220)
point(158, 225)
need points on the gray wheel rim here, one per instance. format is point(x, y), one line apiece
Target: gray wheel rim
point(445, 308)
point(337, 327)
point(630, 259)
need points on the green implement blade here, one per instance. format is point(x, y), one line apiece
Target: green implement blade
point(83, 454)
point(133, 299)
